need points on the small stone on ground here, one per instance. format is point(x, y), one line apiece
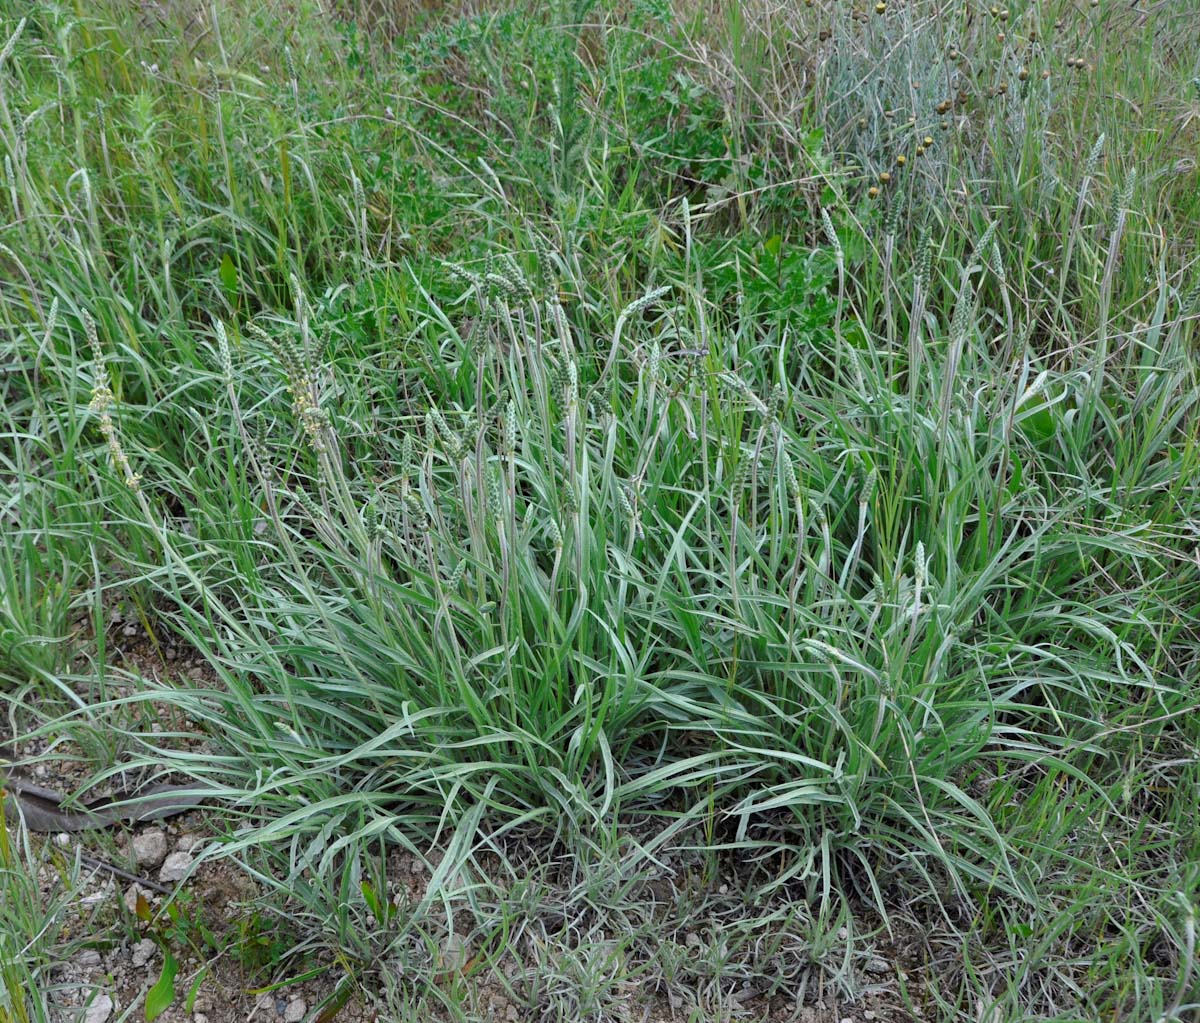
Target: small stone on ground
point(131, 895)
point(99, 1010)
point(150, 847)
point(143, 952)
point(186, 843)
point(175, 867)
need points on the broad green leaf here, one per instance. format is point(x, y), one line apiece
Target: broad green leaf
point(229, 276)
point(159, 997)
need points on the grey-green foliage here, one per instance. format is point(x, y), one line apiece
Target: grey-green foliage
point(625, 526)
point(829, 599)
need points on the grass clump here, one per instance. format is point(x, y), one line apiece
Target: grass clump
point(584, 512)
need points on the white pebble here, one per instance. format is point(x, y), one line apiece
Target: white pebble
point(150, 847)
point(143, 952)
point(131, 895)
point(175, 867)
point(186, 843)
point(99, 1010)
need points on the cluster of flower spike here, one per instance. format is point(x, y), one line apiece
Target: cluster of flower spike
point(101, 403)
